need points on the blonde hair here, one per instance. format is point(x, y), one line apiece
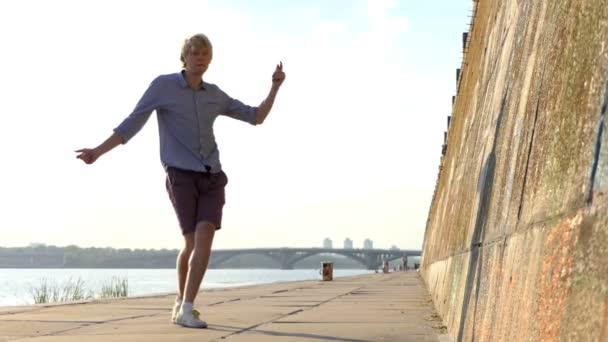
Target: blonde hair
point(196, 41)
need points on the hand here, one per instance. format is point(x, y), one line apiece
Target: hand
point(278, 76)
point(88, 155)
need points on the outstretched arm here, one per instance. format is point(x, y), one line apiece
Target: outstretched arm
point(264, 108)
point(90, 155)
point(128, 128)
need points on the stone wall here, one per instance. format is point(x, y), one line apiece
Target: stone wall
point(516, 244)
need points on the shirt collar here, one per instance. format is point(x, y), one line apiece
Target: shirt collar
point(182, 81)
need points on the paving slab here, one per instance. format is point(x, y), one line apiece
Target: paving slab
point(372, 307)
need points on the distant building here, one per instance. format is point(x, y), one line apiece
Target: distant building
point(394, 248)
point(327, 243)
point(348, 243)
point(368, 244)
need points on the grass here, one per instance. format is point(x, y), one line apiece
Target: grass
point(50, 292)
point(74, 290)
point(116, 287)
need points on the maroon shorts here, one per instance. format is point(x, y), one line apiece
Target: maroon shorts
point(196, 197)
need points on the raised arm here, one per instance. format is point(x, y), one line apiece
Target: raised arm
point(264, 108)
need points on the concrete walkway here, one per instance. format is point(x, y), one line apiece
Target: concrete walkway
point(374, 307)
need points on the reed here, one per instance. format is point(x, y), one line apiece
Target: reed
point(69, 291)
point(74, 290)
point(116, 287)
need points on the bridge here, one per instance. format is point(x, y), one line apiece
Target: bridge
point(371, 259)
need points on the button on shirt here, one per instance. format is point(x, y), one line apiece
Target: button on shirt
point(185, 121)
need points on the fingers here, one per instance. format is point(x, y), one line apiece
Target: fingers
point(86, 155)
point(87, 159)
point(278, 75)
point(278, 72)
point(82, 153)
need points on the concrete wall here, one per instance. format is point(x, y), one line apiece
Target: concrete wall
point(516, 245)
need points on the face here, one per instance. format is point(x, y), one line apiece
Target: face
point(198, 59)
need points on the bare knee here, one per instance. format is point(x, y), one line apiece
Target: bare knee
point(203, 236)
point(188, 243)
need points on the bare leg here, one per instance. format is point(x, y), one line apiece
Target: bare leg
point(182, 264)
point(199, 258)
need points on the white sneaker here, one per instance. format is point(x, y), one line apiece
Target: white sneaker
point(190, 319)
point(176, 308)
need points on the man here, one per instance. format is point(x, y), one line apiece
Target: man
point(186, 109)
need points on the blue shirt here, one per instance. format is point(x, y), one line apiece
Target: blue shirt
point(185, 121)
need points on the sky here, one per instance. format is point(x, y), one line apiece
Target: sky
point(351, 148)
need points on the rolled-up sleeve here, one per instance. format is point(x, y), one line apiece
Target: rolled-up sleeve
point(238, 110)
point(140, 115)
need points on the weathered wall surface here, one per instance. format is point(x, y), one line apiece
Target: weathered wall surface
point(516, 245)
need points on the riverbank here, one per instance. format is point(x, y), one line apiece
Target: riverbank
point(17, 285)
point(373, 307)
